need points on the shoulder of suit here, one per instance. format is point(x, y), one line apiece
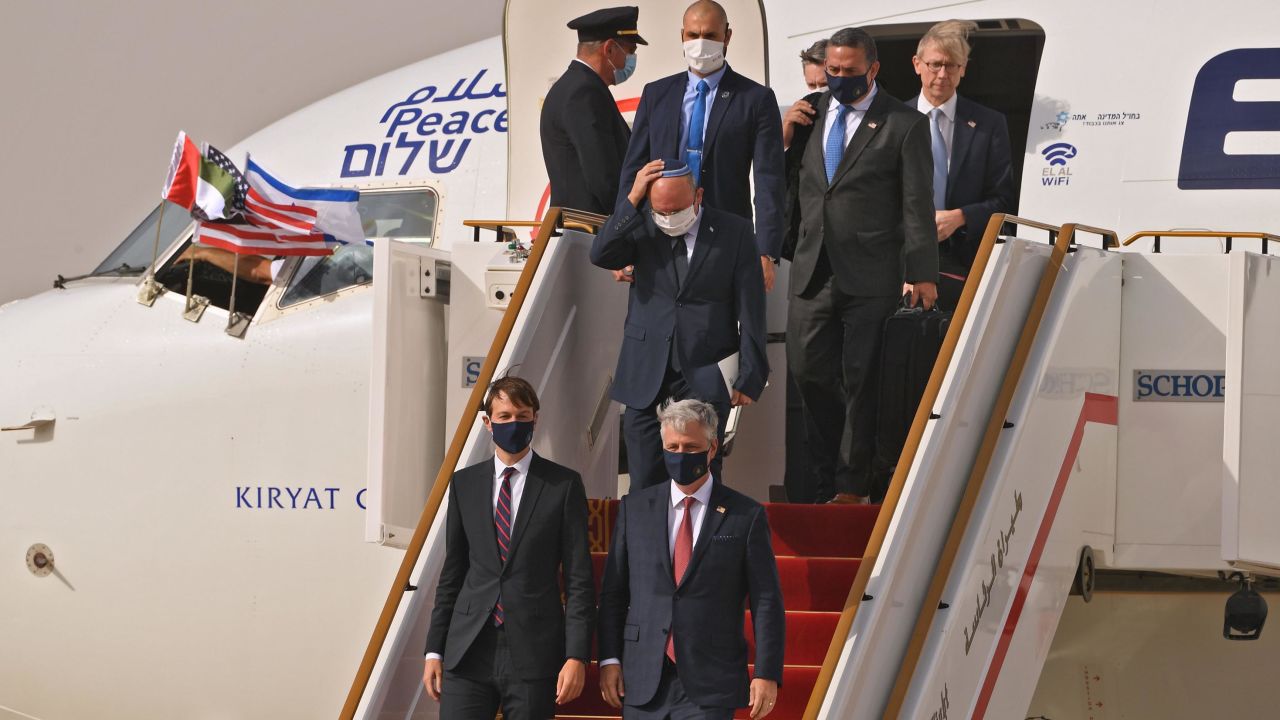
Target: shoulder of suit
point(661, 84)
point(734, 500)
point(968, 108)
point(551, 470)
point(720, 220)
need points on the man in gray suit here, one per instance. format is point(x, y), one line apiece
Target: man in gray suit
point(867, 226)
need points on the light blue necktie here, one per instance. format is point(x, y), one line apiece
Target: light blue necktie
point(697, 123)
point(939, 161)
point(835, 142)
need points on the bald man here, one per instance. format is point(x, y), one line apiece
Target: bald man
point(697, 298)
point(723, 125)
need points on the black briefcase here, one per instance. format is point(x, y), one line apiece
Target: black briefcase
point(912, 339)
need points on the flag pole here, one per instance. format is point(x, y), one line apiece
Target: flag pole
point(150, 289)
point(194, 308)
point(235, 327)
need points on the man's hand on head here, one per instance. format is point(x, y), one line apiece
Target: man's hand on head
point(650, 172)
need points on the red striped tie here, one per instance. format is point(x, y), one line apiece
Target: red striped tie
point(684, 551)
point(502, 524)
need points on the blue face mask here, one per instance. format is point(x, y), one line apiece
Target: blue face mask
point(685, 468)
point(628, 69)
point(512, 436)
point(848, 90)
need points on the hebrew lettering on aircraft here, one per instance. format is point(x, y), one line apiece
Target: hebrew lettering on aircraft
point(419, 132)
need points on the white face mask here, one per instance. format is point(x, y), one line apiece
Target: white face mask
point(677, 223)
point(704, 56)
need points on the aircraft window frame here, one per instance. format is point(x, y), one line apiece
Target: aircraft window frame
point(297, 268)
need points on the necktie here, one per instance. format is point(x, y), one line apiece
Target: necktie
point(939, 160)
point(680, 563)
point(681, 251)
point(835, 142)
point(697, 124)
point(502, 526)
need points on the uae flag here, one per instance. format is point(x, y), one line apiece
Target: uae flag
point(200, 186)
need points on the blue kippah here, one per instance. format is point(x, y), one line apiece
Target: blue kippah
point(675, 168)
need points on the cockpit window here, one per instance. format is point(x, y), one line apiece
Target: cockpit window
point(136, 251)
point(400, 214)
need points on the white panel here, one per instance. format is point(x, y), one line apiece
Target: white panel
point(406, 409)
point(882, 627)
point(1174, 317)
point(1022, 541)
point(1250, 493)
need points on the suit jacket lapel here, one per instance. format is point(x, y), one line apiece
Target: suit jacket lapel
point(670, 105)
point(725, 93)
point(711, 521)
point(701, 246)
point(659, 506)
point(533, 485)
point(816, 152)
point(961, 138)
point(477, 493)
point(872, 121)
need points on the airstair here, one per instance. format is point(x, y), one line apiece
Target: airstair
point(1096, 417)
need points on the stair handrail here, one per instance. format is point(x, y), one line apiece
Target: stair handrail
point(982, 463)
point(401, 584)
point(1227, 235)
point(914, 436)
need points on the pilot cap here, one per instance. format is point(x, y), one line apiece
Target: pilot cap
point(617, 23)
point(675, 168)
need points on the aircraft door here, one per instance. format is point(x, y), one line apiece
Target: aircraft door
point(539, 47)
point(406, 393)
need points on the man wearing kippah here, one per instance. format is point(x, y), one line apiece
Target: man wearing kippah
point(584, 137)
point(697, 298)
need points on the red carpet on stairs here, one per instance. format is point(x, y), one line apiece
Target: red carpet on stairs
point(818, 549)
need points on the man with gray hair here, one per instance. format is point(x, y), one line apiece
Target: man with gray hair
point(671, 612)
point(972, 162)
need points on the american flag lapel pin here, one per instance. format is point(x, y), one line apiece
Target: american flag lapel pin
point(973, 124)
point(720, 509)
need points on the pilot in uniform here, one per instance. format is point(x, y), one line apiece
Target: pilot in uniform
point(584, 137)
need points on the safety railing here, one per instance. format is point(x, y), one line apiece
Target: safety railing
point(995, 427)
point(1157, 235)
point(857, 593)
point(547, 228)
point(570, 219)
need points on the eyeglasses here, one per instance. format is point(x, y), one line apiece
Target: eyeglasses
point(936, 67)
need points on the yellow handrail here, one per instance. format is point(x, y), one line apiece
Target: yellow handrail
point(995, 427)
point(876, 542)
point(572, 219)
point(451, 460)
point(1224, 234)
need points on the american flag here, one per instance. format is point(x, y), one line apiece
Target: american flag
point(217, 157)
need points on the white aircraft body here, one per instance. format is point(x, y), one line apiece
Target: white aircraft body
point(199, 525)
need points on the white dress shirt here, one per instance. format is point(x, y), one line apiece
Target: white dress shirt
point(691, 236)
point(675, 516)
point(946, 123)
point(517, 491)
point(852, 119)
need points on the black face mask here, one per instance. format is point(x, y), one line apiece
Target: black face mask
point(685, 468)
point(512, 436)
point(848, 90)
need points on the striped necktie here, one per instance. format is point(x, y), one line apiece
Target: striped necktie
point(835, 142)
point(502, 526)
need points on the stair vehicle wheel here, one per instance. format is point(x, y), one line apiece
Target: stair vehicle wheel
point(1085, 575)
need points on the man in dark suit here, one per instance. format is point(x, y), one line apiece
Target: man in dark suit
point(499, 635)
point(867, 226)
point(584, 137)
point(973, 171)
point(687, 556)
point(721, 124)
point(697, 298)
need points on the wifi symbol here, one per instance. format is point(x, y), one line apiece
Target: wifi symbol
point(1059, 153)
